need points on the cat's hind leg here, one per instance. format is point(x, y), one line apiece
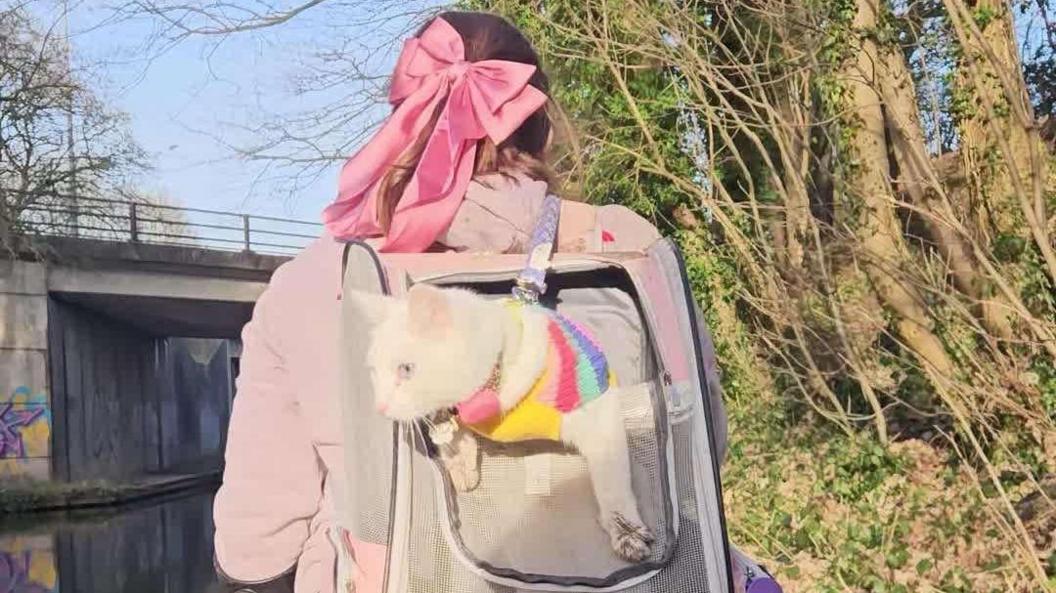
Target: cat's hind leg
point(596, 430)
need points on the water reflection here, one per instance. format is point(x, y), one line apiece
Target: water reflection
point(162, 546)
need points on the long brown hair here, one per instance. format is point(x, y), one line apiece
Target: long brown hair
point(486, 37)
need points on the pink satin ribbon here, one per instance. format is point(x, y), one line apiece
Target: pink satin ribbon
point(488, 98)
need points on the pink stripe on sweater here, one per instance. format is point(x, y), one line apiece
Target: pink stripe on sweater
point(484, 405)
point(548, 387)
point(567, 395)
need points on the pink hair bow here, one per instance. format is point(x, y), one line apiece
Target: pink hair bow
point(487, 98)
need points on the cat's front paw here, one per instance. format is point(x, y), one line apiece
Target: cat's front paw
point(465, 477)
point(631, 540)
point(463, 462)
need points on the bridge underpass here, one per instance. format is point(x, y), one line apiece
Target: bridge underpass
point(117, 359)
point(163, 290)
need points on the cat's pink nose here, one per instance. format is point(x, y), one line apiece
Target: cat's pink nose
point(382, 407)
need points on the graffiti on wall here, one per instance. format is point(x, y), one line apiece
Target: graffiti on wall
point(25, 425)
point(27, 566)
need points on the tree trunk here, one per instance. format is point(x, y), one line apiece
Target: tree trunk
point(792, 133)
point(920, 182)
point(1001, 147)
point(6, 242)
point(883, 249)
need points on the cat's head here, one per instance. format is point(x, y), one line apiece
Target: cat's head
point(430, 350)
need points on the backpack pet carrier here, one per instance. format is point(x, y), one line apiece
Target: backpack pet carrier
point(531, 523)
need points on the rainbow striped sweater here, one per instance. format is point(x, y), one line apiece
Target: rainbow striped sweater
point(576, 372)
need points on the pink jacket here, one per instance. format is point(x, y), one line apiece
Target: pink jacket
point(284, 442)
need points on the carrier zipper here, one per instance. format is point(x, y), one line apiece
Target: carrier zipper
point(399, 515)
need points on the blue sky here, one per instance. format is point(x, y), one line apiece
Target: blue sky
point(190, 103)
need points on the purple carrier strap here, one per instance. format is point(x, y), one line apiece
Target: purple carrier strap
point(531, 283)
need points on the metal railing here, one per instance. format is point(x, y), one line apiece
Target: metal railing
point(158, 224)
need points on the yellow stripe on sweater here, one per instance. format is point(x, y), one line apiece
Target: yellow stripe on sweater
point(529, 420)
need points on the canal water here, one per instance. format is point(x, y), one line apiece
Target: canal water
point(161, 546)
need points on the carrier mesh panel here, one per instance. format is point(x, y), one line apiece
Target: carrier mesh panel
point(534, 511)
point(687, 572)
point(431, 565)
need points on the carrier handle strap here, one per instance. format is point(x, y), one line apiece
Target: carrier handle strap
point(531, 283)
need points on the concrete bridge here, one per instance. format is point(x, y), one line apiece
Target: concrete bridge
point(118, 353)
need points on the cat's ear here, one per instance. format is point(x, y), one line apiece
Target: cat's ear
point(374, 307)
point(429, 310)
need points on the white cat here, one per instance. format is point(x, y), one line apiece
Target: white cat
point(448, 349)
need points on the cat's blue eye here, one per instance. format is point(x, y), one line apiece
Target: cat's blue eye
point(405, 371)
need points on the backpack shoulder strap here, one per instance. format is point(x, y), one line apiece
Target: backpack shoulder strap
point(532, 280)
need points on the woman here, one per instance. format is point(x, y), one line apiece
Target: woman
point(460, 165)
